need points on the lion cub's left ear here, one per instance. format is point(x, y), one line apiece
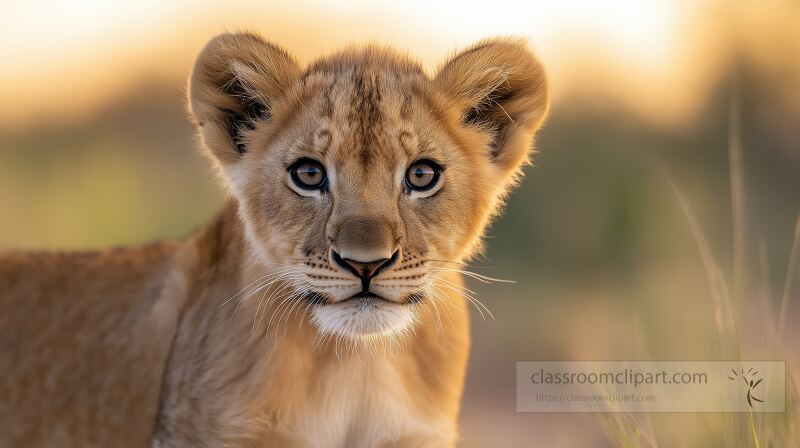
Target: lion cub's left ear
point(500, 88)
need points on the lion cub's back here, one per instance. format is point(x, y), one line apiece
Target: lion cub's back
point(83, 341)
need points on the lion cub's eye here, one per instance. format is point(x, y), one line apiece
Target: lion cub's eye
point(308, 174)
point(423, 175)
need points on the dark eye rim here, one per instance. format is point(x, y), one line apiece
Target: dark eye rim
point(437, 173)
point(321, 185)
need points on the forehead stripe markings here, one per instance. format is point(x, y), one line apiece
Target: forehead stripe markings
point(405, 107)
point(322, 141)
point(407, 142)
point(326, 109)
point(365, 113)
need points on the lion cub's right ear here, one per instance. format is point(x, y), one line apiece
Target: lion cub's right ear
point(235, 83)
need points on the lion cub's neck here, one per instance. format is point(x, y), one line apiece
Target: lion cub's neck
point(253, 369)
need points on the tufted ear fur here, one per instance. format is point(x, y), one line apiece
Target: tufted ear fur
point(235, 82)
point(500, 88)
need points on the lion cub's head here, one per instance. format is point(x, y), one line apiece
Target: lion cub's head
point(360, 178)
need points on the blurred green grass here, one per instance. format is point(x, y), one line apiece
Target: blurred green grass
point(129, 176)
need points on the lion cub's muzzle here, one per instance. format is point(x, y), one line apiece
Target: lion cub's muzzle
point(365, 246)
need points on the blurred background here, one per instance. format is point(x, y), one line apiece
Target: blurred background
point(96, 150)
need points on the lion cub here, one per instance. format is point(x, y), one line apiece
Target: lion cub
point(323, 307)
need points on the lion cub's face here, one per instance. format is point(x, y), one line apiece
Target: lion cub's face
point(360, 179)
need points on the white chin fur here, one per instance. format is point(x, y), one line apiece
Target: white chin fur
point(364, 318)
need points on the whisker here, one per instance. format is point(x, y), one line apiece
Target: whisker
point(444, 280)
point(264, 278)
point(444, 298)
point(476, 276)
point(478, 304)
point(244, 289)
point(294, 304)
point(445, 261)
point(284, 301)
point(435, 307)
point(480, 311)
point(265, 284)
point(305, 313)
point(458, 263)
point(256, 317)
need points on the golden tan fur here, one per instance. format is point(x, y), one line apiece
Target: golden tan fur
point(250, 333)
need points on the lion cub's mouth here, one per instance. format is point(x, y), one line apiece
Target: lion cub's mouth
point(368, 296)
point(365, 295)
point(366, 314)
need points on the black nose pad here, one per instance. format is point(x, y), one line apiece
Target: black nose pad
point(365, 270)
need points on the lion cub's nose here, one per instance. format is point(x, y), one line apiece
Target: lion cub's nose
point(364, 246)
point(365, 270)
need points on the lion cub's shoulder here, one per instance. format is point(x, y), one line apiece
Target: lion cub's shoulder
point(83, 324)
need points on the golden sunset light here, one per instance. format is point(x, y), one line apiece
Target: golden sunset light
point(207, 241)
point(656, 57)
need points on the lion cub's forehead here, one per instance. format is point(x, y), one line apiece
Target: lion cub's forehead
point(364, 109)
